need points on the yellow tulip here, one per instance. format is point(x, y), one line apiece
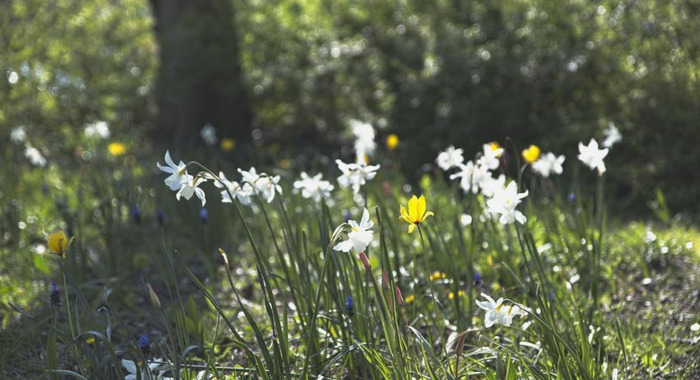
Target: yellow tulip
point(59, 243)
point(531, 154)
point(416, 213)
point(392, 141)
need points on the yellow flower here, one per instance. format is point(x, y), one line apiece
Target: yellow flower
point(416, 213)
point(461, 293)
point(227, 144)
point(90, 340)
point(437, 276)
point(409, 299)
point(59, 243)
point(116, 149)
point(392, 141)
point(531, 154)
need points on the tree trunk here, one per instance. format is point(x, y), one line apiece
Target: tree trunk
point(200, 78)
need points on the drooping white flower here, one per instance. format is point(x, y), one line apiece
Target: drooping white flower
point(364, 139)
point(490, 157)
point(359, 236)
point(612, 136)
point(18, 135)
point(465, 220)
point(496, 312)
point(504, 202)
point(450, 158)
point(313, 187)
point(232, 188)
point(208, 134)
point(355, 175)
point(264, 185)
point(547, 164)
point(592, 157)
point(190, 186)
point(98, 129)
point(178, 173)
point(34, 156)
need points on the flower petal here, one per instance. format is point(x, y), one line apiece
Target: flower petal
point(413, 209)
point(420, 209)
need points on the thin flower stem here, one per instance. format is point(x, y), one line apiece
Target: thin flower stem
point(65, 290)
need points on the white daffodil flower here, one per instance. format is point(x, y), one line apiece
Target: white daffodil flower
point(34, 156)
point(190, 186)
point(547, 164)
point(232, 188)
point(364, 139)
point(592, 157)
point(359, 236)
point(490, 158)
point(355, 175)
point(263, 185)
point(497, 313)
point(98, 129)
point(450, 158)
point(208, 134)
point(465, 174)
point(18, 135)
point(504, 202)
point(313, 187)
point(153, 371)
point(178, 173)
point(612, 136)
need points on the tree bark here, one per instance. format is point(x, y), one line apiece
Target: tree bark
point(200, 78)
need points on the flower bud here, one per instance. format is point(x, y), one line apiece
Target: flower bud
point(365, 261)
point(399, 296)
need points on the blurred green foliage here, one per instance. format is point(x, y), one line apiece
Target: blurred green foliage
point(436, 73)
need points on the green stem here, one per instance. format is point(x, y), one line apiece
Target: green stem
point(65, 289)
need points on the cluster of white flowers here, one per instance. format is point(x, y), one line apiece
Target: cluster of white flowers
point(181, 181)
point(18, 135)
point(262, 184)
point(242, 192)
point(477, 177)
point(98, 129)
point(497, 313)
point(547, 164)
point(355, 175)
point(313, 187)
point(252, 183)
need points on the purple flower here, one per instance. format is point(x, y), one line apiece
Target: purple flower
point(55, 298)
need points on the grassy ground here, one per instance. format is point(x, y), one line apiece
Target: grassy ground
point(606, 298)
